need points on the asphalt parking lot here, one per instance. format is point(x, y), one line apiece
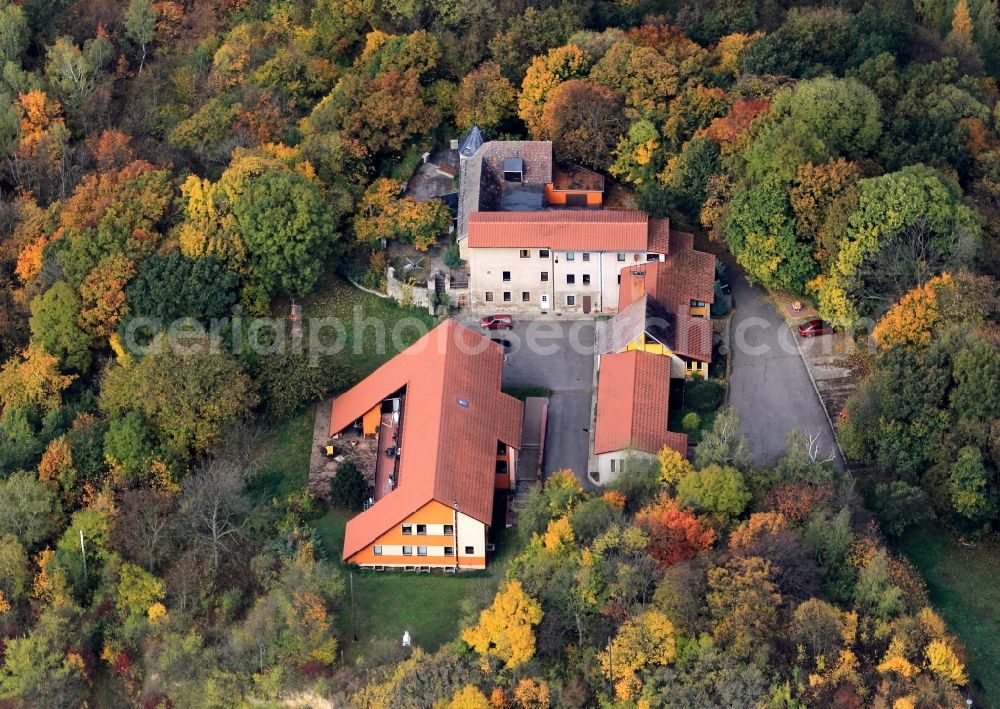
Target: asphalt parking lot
point(558, 355)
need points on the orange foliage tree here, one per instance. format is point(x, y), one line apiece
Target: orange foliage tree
point(543, 76)
point(911, 321)
point(674, 534)
point(103, 295)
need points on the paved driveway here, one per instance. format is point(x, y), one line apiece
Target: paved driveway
point(558, 355)
point(770, 385)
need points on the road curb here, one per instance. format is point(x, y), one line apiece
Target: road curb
point(822, 404)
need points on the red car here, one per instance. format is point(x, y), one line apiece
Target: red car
point(814, 328)
point(497, 322)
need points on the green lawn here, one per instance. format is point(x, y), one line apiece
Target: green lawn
point(963, 587)
point(386, 604)
point(384, 322)
point(285, 466)
point(677, 415)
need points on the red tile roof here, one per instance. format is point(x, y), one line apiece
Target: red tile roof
point(685, 275)
point(693, 337)
point(633, 403)
point(453, 416)
point(568, 230)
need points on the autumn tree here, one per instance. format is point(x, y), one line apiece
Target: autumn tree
point(544, 75)
point(485, 98)
point(385, 214)
point(32, 379)
point(505, 629)
point(643, 76)
point(674, 466)
point(103, 295)
point(911, 320)
point(674, 534)
point(743, 601)
point(818, 626)
point(188, 399)
point(584, 121)
point(645, 640)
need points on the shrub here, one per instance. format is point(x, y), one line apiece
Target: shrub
point(451, 258)
point(703, 395)
point(691, 423)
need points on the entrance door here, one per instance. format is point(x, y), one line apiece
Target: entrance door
point(586, 304)
point(545, 301)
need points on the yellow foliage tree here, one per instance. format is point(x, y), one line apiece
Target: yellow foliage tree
point(911, 321)
point(33, 379)
point(505, 629)
point(558, 535)
point(673, 466)
point(943, 662)
point(644, 640)
point(469, 697)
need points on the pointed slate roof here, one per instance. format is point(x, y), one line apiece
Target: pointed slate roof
point(471, 143)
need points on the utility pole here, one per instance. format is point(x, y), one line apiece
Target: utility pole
point(83, 551)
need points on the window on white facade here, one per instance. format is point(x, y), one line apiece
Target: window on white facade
point(570, 256)
point(449, 551)
point(570, 278)
point(570, 300)
point(449, 529)
point(586, 279)
point(525, 296)
point(421, 529)
point(525, 253)
point(407, 551)
point(545, 276)
point(377, 550)
point(544, 253)
point(505, 275)
point(470, 550)
point(489, 296)
point(586, 256)
point(621, 257)
point(421, 551)
point(407, 529)
point(612, 465)
point(506, 296)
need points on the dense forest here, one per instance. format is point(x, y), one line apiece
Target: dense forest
point(193, 160)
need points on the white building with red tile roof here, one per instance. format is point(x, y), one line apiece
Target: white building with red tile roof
point(450, 436)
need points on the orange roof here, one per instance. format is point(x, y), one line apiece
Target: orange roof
point(568, 230)
point(685, 275)
point(453, 417)
point(633, 403)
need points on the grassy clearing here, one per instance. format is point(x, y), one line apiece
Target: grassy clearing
point(285, 467)
point(963, 588)
point(376, 328)
point(429, 606)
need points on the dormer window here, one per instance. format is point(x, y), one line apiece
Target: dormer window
point(513, 170)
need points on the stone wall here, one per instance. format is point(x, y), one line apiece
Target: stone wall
point(409, 295)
